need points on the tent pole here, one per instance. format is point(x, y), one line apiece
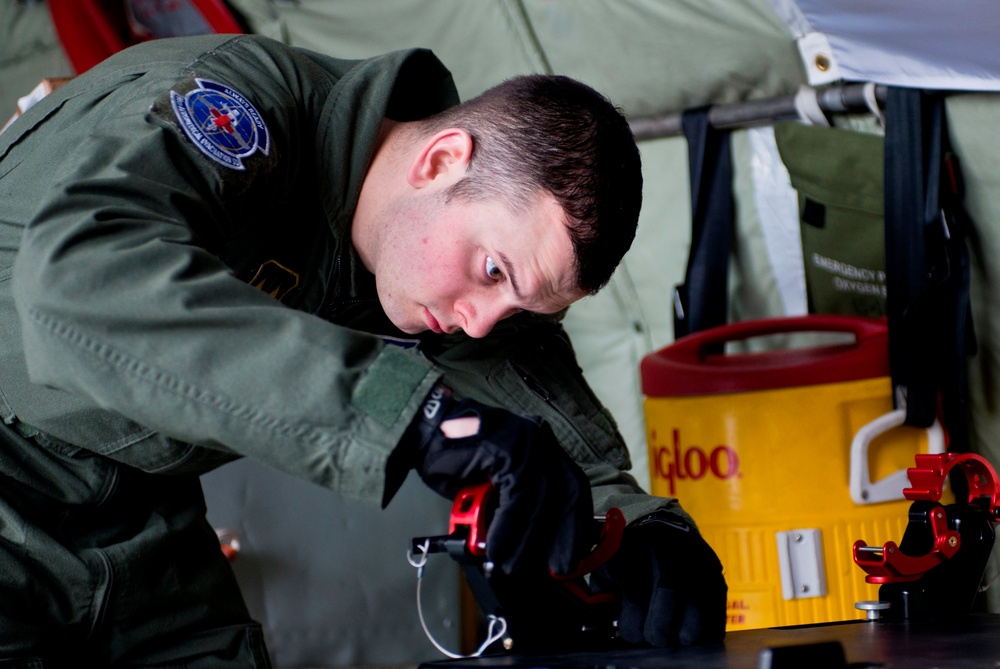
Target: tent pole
point(832, 99)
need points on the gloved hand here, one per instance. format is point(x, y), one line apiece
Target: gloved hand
point(670, 584)
point(544, 515)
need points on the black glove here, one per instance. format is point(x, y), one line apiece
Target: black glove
point(544, 514)
point(670, 584)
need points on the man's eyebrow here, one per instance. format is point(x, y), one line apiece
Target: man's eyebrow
point(510, 274)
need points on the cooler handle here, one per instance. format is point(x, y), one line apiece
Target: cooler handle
point(889, 488)
point(699, 343)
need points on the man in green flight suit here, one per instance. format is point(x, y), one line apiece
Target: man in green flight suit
point(220, 246)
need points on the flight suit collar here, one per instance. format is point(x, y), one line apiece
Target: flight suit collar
point(402, 86)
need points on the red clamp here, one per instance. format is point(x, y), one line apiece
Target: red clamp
point(927, 479)
point(472, 509)
point(889, 564)
point(469, 510)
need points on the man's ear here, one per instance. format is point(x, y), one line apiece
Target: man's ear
point(442, 159)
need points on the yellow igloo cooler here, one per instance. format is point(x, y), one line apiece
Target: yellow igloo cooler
point(784, 458)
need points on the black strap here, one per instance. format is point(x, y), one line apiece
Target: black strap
point(702, 300)
point(927, 264)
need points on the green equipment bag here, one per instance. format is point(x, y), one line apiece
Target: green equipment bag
point(838, 176)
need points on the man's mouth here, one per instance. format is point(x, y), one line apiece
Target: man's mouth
point(432, 322)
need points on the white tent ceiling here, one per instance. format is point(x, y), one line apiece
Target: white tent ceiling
point(912, 43)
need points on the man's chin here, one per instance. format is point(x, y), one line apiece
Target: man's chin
point(409, 327)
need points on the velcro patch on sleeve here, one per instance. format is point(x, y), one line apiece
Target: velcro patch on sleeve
point(386, 388)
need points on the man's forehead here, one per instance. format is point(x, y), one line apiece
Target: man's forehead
point(558, 287)
point(554, 259)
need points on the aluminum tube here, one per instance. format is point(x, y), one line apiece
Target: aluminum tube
point(833, 99)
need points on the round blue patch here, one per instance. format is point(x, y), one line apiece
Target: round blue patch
point(221, 123)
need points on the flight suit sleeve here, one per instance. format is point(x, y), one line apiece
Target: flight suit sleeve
point(527, 365)
point(121, 303)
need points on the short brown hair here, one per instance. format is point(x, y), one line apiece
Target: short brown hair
point(556, 135)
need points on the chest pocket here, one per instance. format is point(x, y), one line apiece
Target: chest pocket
point(285, 250)
point(276, 280)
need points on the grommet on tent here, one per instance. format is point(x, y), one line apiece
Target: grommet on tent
point(817, 58)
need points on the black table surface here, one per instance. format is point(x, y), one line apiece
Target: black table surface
point(971, 641)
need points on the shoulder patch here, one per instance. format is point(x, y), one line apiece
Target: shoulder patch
point(222, 123)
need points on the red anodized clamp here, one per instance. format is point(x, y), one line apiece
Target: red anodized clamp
point(471, 509)
point(927, 479)
point(468, 510)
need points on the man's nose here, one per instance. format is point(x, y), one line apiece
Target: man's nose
point(479, 316)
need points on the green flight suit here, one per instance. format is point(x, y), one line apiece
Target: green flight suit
point(178, 289)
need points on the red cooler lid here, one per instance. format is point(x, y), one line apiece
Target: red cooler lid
point(693, 365)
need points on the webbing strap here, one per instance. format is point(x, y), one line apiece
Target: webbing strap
point(702, 300)
point(927, 264)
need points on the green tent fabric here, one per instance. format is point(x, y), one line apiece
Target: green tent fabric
point(649, 56)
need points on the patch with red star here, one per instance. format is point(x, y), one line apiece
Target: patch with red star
point(221, 122)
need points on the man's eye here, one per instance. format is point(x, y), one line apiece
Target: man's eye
point(492, 270)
